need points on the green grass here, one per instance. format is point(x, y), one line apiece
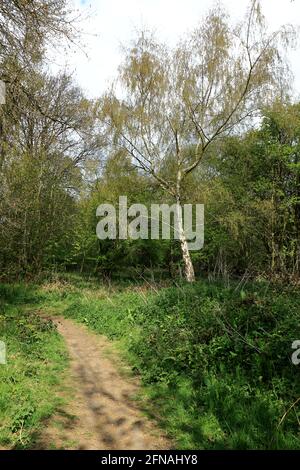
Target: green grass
point(36, 358)
point(215, 360)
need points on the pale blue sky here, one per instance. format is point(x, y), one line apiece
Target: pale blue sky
point(112, 22)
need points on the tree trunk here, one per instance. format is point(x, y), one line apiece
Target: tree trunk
point(188, 265)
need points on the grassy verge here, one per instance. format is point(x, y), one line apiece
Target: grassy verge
point(36, 358)
point(215, 361)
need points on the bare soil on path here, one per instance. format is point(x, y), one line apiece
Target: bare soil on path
point(102, 413)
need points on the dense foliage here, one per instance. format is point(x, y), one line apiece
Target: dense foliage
point(59, 160)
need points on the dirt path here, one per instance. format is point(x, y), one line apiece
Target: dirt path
point(102, 413)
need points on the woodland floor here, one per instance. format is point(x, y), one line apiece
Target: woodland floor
point(102, 413)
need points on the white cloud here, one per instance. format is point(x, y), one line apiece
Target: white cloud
point(113, 22)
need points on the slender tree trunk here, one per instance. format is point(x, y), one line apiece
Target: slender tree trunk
point(188, 265)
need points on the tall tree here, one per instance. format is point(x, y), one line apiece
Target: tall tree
point(27, 27)
point(209, 86)
point(46, 148)
point(46, 134)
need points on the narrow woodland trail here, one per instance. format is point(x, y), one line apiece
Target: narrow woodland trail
point(102, 413)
